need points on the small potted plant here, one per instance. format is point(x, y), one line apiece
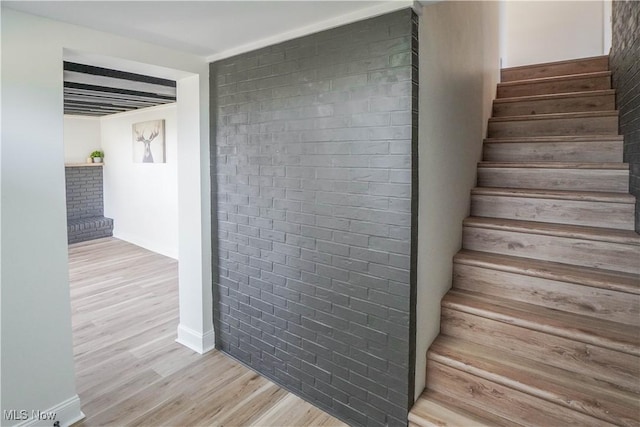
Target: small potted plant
point(97, 156)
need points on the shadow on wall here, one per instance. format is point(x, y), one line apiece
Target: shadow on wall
point(215, 243)
point(625, 69)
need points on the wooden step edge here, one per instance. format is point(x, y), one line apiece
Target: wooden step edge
point(511, 404)
point(556, 165)
point(554, 79)
point(556, 116)
point(585, 276)
point(579, 196)
point(553, 96)
point(572, 390)
point(554, 63)
point(537, 373)
point(555, 139)
point(598, 332)
point(609, 235)
point(432, 409)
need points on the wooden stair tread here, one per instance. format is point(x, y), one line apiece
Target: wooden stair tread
point(588, 276)
point(561, 230)
point(555, 165)
point(572, 390)
point(560, 138)
point(554, 116)
point(549, 96)
point(514, 405)
point(554, 63)
point(432, 408)
point(549, 336)
point(554, 79)
point(587, 196)
point(603, 333)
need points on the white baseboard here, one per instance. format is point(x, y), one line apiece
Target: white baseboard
point(67, 413)
point(202, 343)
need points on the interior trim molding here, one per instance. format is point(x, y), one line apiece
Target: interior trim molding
point(327, 24)
point(196, 341)
point(67, 412)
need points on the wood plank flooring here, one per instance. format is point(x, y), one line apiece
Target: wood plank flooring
point(129, 369)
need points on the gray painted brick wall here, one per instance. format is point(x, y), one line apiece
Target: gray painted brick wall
point(85, 205)
point(84, 192)
point(625, 66)
point(314, 177)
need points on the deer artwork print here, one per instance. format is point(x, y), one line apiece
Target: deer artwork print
point(148, 138)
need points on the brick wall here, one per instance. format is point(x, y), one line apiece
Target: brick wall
point(85, 206)
point(314, 173)
point(84, 192)
point(625, 66)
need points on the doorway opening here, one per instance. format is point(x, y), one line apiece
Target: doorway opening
point(129, 292)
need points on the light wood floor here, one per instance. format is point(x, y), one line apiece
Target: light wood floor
point(129, 369)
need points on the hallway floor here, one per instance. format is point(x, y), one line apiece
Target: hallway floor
point(129, 369)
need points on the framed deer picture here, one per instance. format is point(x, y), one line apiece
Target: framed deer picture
point(148, 142)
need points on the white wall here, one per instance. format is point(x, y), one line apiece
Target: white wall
point(194, 217)
point(142, 198)
point(37, 362)
point(546, 31)
point(459, 69)
point(81, 137)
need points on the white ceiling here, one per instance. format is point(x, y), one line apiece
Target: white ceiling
point(211, 29)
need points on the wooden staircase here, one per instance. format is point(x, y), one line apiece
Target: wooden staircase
point(541, 327)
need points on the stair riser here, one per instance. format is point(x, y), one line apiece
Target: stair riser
point(618, 369)
point(579, 84)
point(520, 408)
point(606, 125)
point(555, 179)
point(548, 106)
point(587, 253)
point(438, 410)
point(428, 413)
point(588, 213)
point(605, 151)
point(539, 71)
point(584, 300)
point(582, 399)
